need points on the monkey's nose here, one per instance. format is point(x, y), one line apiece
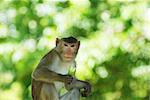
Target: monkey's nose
point(69, 52)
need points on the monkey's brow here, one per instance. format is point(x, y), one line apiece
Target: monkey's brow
point(69, 43)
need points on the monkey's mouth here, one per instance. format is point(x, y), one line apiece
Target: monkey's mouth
point(68, 57)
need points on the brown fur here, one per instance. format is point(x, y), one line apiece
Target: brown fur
point(52, 68)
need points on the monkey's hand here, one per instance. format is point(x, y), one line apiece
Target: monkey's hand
point(67, 79)
point(86, 90)
point(71, 85)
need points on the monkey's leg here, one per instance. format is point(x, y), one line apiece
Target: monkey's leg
point(73, 94)
point(48, 92)
point(36, 89)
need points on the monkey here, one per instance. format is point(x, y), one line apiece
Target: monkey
point(51, 74)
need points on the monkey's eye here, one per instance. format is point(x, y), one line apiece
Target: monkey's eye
point(65, 45)
point(72, 45)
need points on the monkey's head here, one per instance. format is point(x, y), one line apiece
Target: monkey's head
point(67, 48)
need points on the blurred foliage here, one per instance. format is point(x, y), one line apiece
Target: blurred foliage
point(115, 44)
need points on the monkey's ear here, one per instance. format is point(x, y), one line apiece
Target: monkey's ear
point(57, 41)
point(78, 43)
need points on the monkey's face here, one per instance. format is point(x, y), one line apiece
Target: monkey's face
point(69, 51)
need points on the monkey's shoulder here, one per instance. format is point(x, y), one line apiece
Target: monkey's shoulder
point(48, 58)
point(52, 53)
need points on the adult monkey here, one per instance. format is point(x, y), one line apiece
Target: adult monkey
point(51, 73)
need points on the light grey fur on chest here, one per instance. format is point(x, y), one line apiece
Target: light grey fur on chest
point(59, 67)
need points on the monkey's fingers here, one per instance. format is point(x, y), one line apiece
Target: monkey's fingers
point(69, 79)
point(84, 94)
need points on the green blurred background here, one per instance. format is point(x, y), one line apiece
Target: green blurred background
point(115, 44)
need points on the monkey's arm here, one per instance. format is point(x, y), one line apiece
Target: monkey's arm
point(45, 75)
point(77, 84)
point(84, 86)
